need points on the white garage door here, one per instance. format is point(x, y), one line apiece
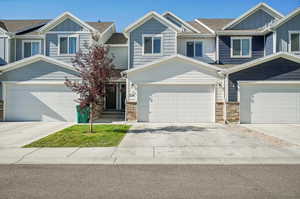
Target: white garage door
point(180, 103)
point(40, 102)
point(270, 103)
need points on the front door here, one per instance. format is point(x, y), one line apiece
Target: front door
point(110, 100)
point(123, 96)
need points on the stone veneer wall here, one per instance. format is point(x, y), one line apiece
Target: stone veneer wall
point(131, 111)
point(220, 112)
point(233, 112)
point(1, 110)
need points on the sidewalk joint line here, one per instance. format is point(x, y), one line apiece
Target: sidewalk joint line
point(16, 162)
point(69, 155)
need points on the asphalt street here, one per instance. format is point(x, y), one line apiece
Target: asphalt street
point(149, 181)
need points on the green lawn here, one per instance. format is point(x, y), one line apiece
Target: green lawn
point(78, 136)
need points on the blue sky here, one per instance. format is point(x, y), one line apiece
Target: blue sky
point(124, 12)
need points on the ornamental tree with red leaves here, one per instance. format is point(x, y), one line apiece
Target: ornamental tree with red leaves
point(96, 69)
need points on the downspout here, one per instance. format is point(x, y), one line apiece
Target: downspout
point(225, 97)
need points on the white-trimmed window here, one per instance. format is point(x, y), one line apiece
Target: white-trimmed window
point(241, 47)
point(152, 44)
point(30, 48)
point(294, 41)
point(67, 44)
point(194, 48)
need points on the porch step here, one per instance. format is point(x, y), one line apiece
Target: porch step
point(113, 115)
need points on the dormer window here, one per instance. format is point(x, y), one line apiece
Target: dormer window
point(67, 44)
point(152, 44)
point(294, 42)
point(241, 47)
point(31, 47)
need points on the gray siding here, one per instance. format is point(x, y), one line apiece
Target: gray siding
point(152, 26)
point(20, 47)
point(12, 50)
point(52, 46)
point(278, 69)
point(38, 71)
point(282, 33)
point(257, 20)
point(68, 25)
point(269, 44)
point(3, 51)
point(224, 50)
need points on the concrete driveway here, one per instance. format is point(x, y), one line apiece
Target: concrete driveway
point(287, 132)
point(17, 134)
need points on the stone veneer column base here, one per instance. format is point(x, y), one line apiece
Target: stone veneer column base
point(219, 112)
point(233, 112)
point(1, 110)
point(131, 111)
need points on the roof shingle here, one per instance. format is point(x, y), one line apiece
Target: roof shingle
point(215, 24)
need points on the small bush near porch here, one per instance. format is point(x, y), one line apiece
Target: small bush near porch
point(79, 136)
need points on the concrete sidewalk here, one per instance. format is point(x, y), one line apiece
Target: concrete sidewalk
point(153, 155)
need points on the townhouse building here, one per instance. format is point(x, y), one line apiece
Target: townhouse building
point(206, 70)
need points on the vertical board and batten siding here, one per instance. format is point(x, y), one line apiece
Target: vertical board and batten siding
point(279, 69)
point(52, 46)
point(3, 50)
point(209, 48)
point(225, 51)
point(152, 26)
point(282, 33)
point(257, 20)
point(19, 47)
point(179, 72)
point(269, 44)
point(38, 71)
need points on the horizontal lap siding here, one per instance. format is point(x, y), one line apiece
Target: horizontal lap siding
point(52, 46)
point(282, 33)
point(224, 50)
point(152, 26)
point(257, 20)
point(278, 69)
point(269, 44)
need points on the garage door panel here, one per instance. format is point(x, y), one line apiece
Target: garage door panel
point(175, 103)
point(39, 103)
point(270, 103)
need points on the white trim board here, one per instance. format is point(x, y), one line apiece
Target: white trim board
point(182, 21)
point(26, 61)
point(262, 6)
point(205, 26)
point(256, 62)
point(66, 15)
point(269, 82)
point(285, 19)
point(152, 36)
point(149, 16)
point(31, 41)
point(200, 64)
point(241, 47)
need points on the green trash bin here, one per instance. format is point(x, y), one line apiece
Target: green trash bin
point(83, 114)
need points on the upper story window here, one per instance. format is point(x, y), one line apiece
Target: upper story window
point(194, 48)
point(152, 44)
point(294, 41)
point(241, 47)
point(31, 47)
point(68, 45)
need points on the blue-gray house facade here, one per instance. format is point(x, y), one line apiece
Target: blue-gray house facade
point(235, 66)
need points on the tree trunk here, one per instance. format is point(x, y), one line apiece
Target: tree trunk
point(91, 118)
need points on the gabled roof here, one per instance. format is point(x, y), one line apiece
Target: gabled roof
point(262, 6)
point(117, 38)
point(256, 62)
point(151, 15)
point(29, 60)
point(178, 56)
point(215, 24)
point(181, 21)
point(61, 18)
point(205, 26)
point(286, 19)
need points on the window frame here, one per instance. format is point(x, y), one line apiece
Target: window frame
point(240, 56)
point(194, 41)
point(31, 41)
point(290, 41)
point(68, 43)
point(152, 36)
